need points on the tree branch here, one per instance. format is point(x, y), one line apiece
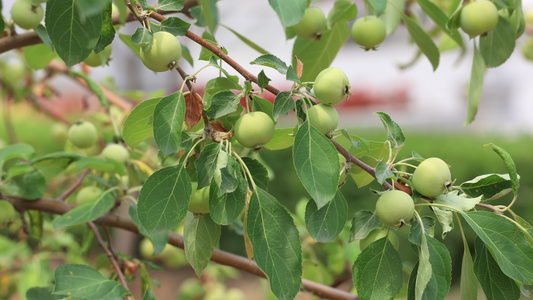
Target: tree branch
point(109, 254)
point(224, 258)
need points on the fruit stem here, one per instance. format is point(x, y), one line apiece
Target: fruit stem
point(245, 168)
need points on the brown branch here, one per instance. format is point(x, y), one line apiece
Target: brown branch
point(224, 258)
point(109, 254)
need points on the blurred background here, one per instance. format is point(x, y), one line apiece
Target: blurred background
point(430, 106)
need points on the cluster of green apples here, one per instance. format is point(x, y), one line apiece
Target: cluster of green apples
point(331, 87)
point(394, 208)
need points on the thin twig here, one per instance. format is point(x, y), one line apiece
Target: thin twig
point(490, 207)
point(76, 184)
point(109, 254)
point(109, 244)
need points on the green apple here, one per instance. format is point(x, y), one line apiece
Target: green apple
point(323, 117)
point(164, 53)
point(395, 208)
point(83, 134)
point(369, 32)
point(527, 49)
point(171, 255)
point(100, 58)
point(331, 86)
point(254, 130)
point(116, 152)
point(27, 14)
point(312, 24)
point(59, 132)
point(87, 194)
point(478, 17)
point(432, 177)
point(199, 200)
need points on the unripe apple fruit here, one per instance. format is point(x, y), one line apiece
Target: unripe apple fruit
point(254, 130)
point(369, 32)
point(312, 24)
point(478, 17)
point(87, 194)
point(171, 256)
point(432, 177)
point(527, 49)
point(199, 200)
point(100, 58)
point(331, 86)
point(164, 53)
point(378, 234)
point(395, 207)
point(83, 134)
point(27, 14)
point(7, 212)
point(116, 152)
point(59, 132)
point(323, 117)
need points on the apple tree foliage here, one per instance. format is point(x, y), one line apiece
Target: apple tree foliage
point(190, 138)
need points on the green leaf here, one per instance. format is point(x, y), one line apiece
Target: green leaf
point(383, 172)
point(393, 15)
point(93, 86)
point(363, 222)
point(423, 40)
point(457, 203)
point(100, 164)
point(90, 7)
point(246, 41)
point(171, 5)
point(262, 104)
point(495, 284)
point(43, 35)
point(441, 266)
point(283, 138)
point(326, 223)
point(42, 293)
point(229, 171)
point(138, 125)
point(200, 237)
point(282, 105)
point(394, 131)
point(210, 13)
point(169, 115)
point(143, 38)
point(276, 244)
point(32, 185)
point(378, 6)
point(476, 86)
point(73, 38)
point(440, 19)
point(126, 38)
point(289, 12)
point(343, 10)
point(164, 199)
point(425, 270)
point(499, 44)
point(258, 171)
point(222, 103)
point(377, 271)
point(489, 186)
point(262, 80)
point(317, 164)
point(38, 56)
point(87, 212)
point(469, 283)
point(206, 164)
point(416, 233)
point(269, 60)
point(85, 282)
point(316, 55)
point(509, 164)
point(175, 25)
point(227, 207)
point(19, 151)
point(159, 241)
point(107, 33)
point(506, 242)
